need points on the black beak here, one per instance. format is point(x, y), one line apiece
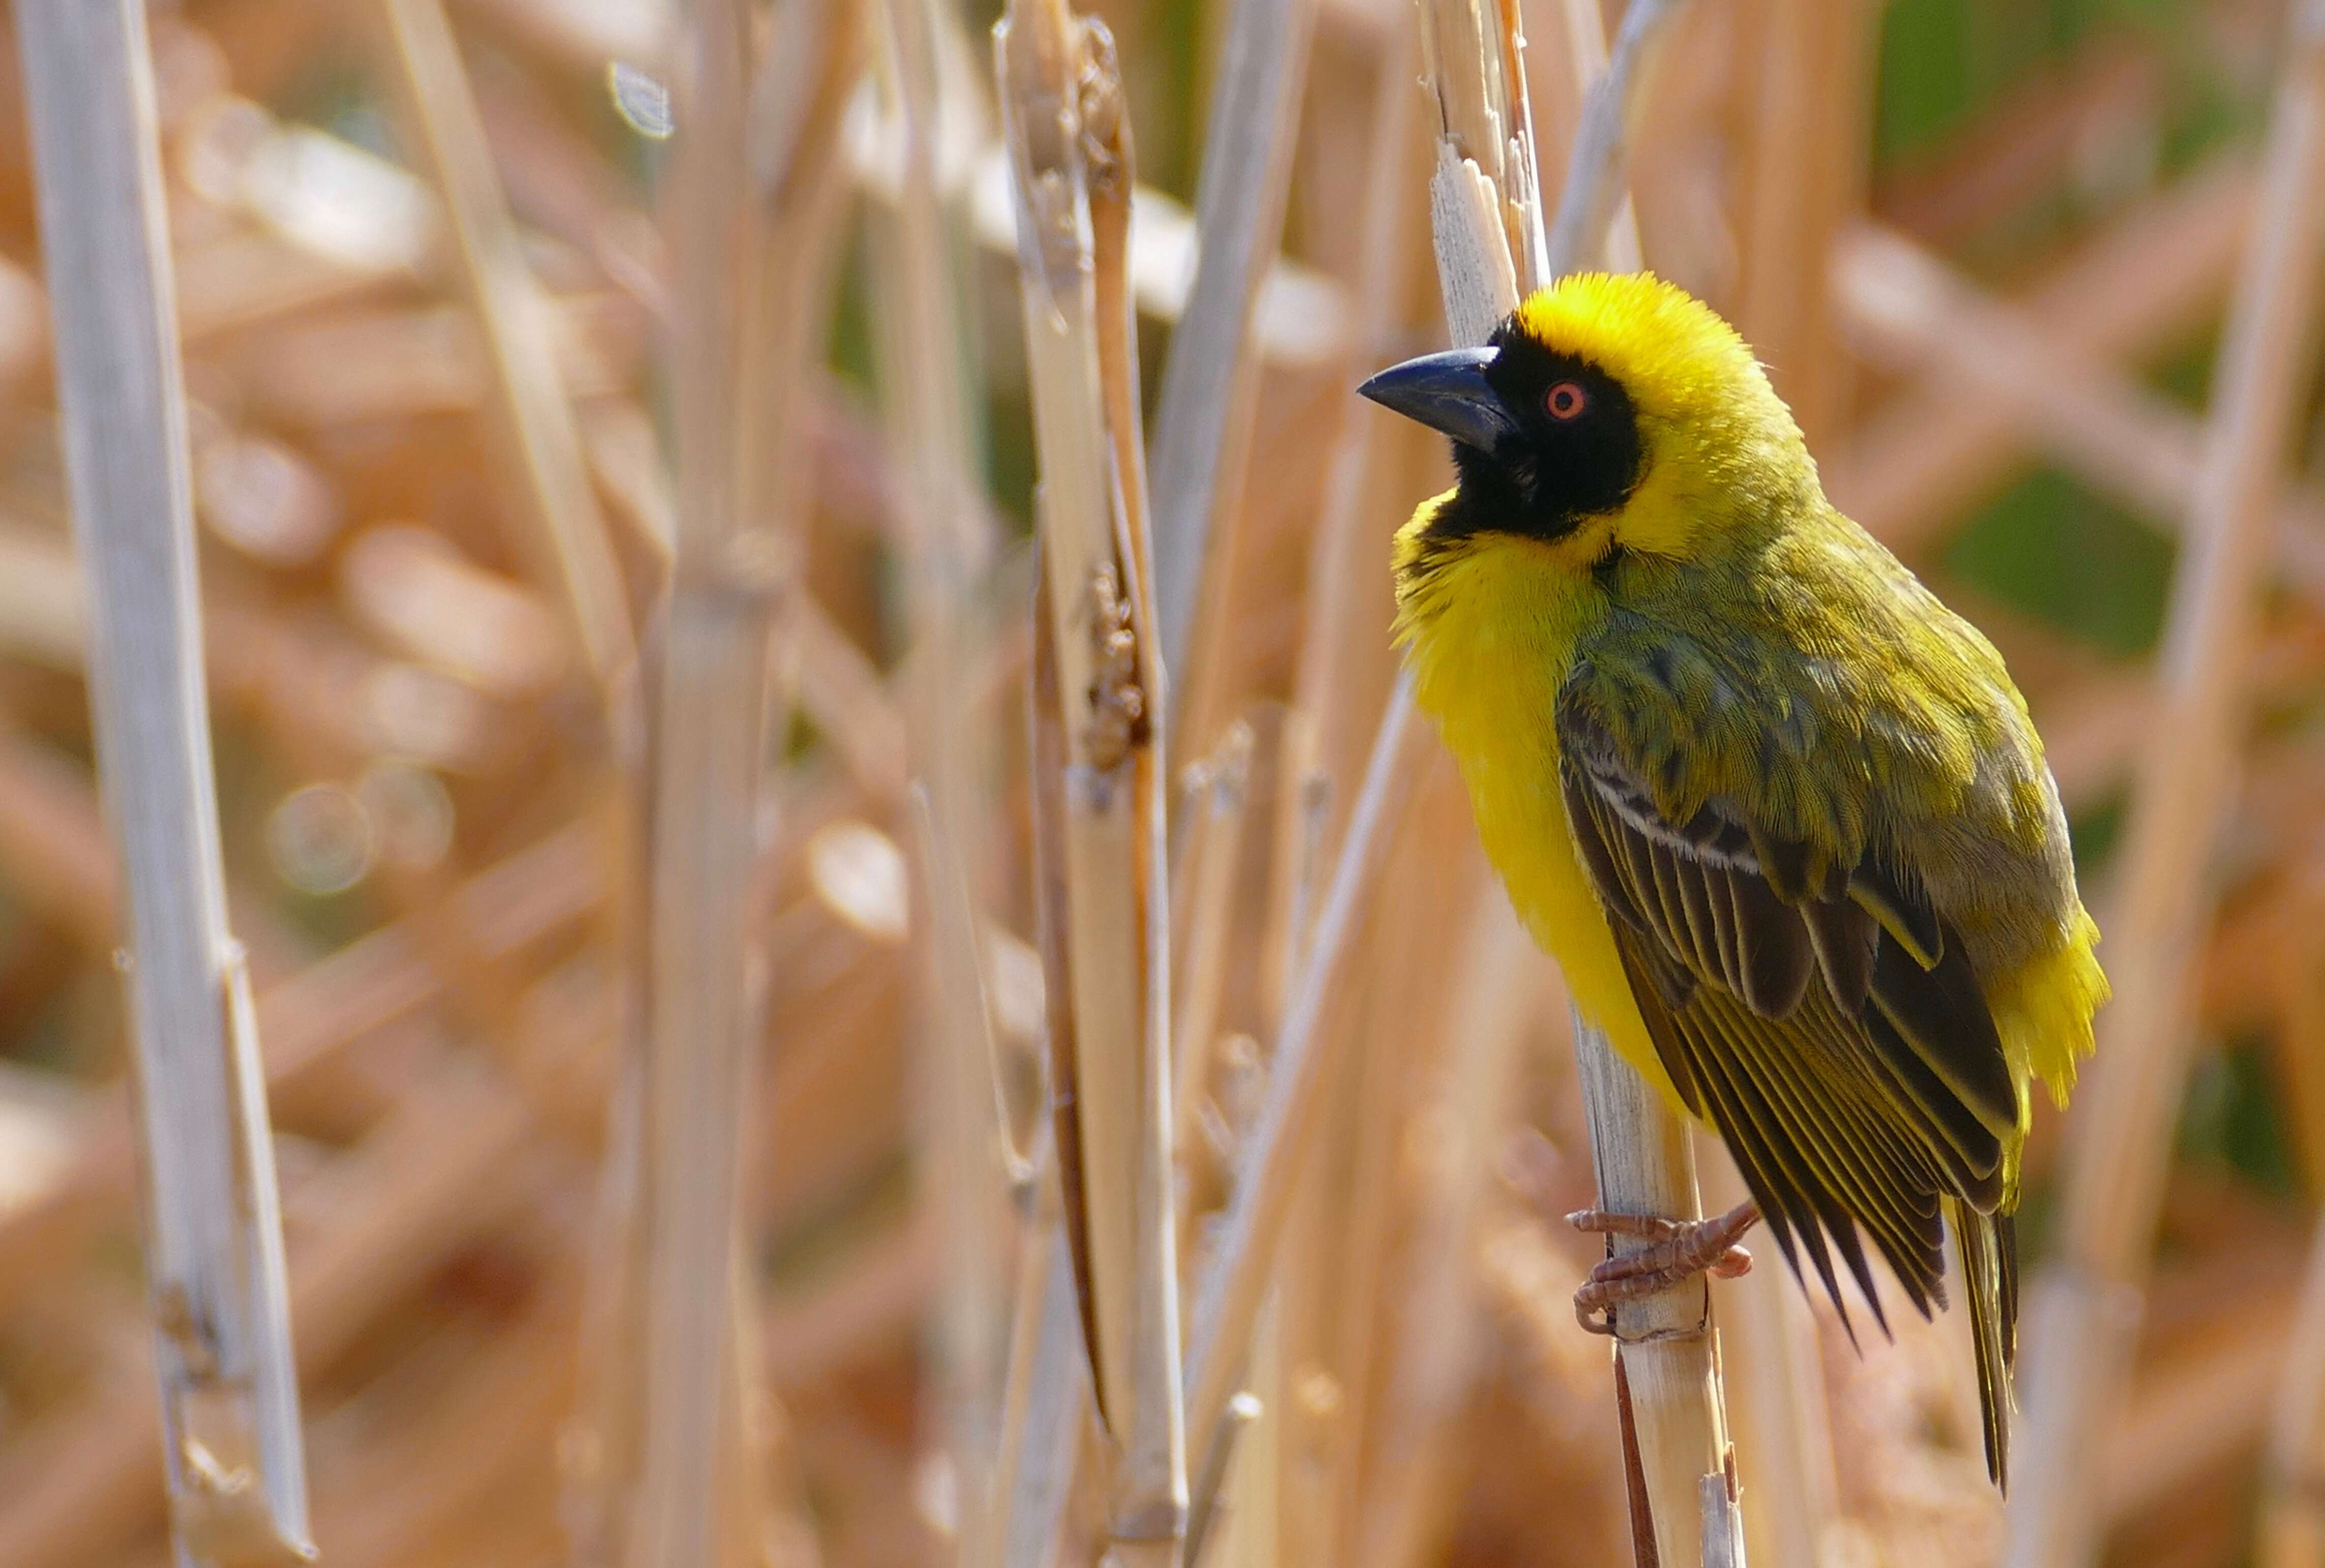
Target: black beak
point(1447, 391)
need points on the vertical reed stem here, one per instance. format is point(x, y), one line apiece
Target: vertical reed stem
point(755, 182)
point(1066, 125)
point(1202, 425)
point(925, 386)
point(214, 1244)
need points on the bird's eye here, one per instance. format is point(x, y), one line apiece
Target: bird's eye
point(1566, 401)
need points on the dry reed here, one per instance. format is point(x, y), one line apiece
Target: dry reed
point(1099, 694)
point(1202, 423)
point(754, 186)
point(232, 1446)
point(961, 1094)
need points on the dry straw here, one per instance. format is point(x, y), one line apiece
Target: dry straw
point(1202, 424)
point(755, 204)
point(460, 342)
point(566, 536)
point(961, 1102)
point(1100, 780)
point(231, 1443)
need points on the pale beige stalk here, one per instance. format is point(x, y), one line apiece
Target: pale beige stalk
point(753, 236)
point(1213, 824)
point(1202, 421)
point(1044, 1399)
point(926, 379)
point(1066, 126)
point(232, 1450)
point(565, 536)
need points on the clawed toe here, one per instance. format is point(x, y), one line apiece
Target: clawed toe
point(1676, 1252)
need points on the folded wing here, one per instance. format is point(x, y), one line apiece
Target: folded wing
point(1826, 1020)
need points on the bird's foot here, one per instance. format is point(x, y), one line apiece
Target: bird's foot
point(1679, 1252)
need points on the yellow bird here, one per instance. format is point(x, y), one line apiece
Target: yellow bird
point(1780, 815)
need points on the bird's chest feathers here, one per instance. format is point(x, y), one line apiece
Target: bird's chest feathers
point(1491, 637)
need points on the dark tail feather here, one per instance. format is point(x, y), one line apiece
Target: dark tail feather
point(1990, 1280)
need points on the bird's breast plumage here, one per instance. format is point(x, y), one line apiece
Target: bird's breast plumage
point(1489, 649)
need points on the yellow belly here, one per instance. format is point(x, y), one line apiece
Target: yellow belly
point(1524, 828)
point(1489, 649)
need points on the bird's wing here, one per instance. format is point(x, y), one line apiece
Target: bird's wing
point(1820, 1014)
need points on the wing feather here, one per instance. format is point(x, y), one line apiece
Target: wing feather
point(1989, 1273)
point(1756, 1135)
point(1939, 1011)
point(1776, 956)
point(1822, 1016)
point(1843, 935)
point(1905, 916)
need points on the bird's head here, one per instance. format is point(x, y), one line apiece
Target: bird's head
point(1607, 410)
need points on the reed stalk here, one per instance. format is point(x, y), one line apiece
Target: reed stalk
point(1202, 423)
point(755, 177)
point(1248, 1513)
point(1773, 1381)
point(566, 537)
point(925, 376)
point(214, 1274)
point(1042, 1400)
point(2084, 1312)
point(1100, 695)
point(963, 1112)
point(1205, 914)
point(704, 758)
point(1667, 1378)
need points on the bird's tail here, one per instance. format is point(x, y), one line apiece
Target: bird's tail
point(1989, 1260)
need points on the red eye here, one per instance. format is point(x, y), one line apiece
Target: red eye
point(1566, 401)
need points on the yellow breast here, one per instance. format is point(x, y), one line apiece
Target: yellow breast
point(1490, 630)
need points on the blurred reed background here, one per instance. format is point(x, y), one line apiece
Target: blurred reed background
point(615, 512)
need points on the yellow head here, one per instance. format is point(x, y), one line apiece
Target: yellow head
point(1607, 413)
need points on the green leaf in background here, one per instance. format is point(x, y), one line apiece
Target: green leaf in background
point(2231, 1117)
point(2071, 559)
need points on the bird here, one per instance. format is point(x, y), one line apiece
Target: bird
point(1779, 816)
